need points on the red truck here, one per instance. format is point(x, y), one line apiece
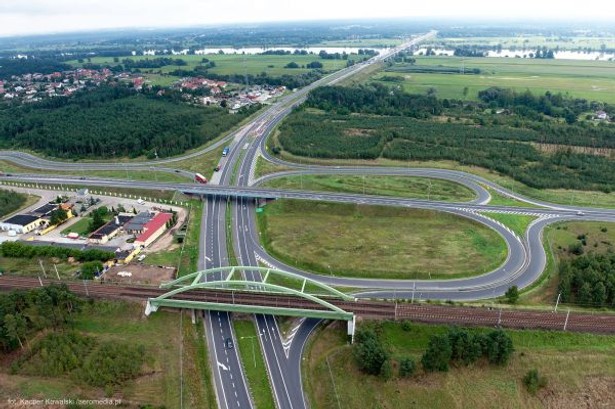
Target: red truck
point(200, 178)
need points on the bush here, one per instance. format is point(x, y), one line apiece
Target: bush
point(533, 381)
point(407, 367)
point(512, 294)
point(386, 370)
point(498, 347)
point(369, 352)
point(438, 354)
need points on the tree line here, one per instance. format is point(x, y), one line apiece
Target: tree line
point(457, 346)
point(503, 149)
point(588, 280)
point(23, 250)
point(21, 66)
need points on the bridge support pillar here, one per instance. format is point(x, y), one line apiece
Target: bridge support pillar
point(351, 327)
point(149, 308)
point(193, 315)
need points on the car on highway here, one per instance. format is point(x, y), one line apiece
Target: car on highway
point(217, 168)
point(228, 343)
point(580, 213)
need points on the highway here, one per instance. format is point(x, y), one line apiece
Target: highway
point(234, 190)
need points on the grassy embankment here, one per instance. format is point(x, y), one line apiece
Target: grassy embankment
point(580, 371)
point(561, 196)
point(377, 242)
point(253, 363)
point(159, 383)
point(398, 186)
point(593, 80)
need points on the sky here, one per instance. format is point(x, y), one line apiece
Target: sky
point(19, 17)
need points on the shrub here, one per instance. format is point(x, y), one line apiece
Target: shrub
point(533, 381)
point(438, 354)
point(407, 367)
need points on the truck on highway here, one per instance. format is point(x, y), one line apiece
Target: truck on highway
point(225, 151)
point(200, 178)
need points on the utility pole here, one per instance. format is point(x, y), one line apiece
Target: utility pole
point(566, 323)
point(557, 301)
point(57, 274)
point(40, 262)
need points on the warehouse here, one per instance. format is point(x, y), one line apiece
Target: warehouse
point(22, 223)
point(153, 229)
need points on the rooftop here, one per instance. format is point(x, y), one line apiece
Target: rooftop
point(154, 225)
point(22, 219)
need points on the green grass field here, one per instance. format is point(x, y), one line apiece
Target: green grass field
point(593, 80)
point(580, 371)
point(159, 384)
point(378, 242)
point(399, 186)
point(240, 64)
point(82, 227)
point(253, 363)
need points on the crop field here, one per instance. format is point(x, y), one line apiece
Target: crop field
point(253, 64)
point(593, 80)
point(378, 242)
point(579, 368)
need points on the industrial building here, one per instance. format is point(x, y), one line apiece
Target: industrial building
point(153, 229)
point(22, 223)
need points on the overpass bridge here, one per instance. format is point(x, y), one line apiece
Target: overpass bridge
point(274, 295)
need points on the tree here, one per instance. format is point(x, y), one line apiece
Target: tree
point(512, 294)
point(90, 269)
point(465, 92)
point(16, 327)
point(58, 216)
point(466, 347)
point(407, 367)
point(369, 351)
point(438, 354)
point(292, 64)
point(498, 347)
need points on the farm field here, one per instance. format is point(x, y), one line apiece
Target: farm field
point(593, 80)
point(579, 368)
point(530, 42)
point(399, 243)
point(253, 64)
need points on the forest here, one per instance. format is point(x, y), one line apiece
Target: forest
point(588, 280)
point(10, 201)
point(20, 66)
point(112, 122)
point(327, 126)
point(61, 351)
point(505, 150)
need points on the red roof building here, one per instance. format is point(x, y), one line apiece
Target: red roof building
point(153, 229)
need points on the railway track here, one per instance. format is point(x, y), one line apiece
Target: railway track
point(467, 316)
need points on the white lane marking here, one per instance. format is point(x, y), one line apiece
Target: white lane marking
point(221, 365)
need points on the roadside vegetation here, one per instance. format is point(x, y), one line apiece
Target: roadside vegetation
point(579, 244)
point(398, 186)
point(377, 242)
point(253, 363)
point(518, 223)
point(83, 351)
point(11, 201)
point(332, 377)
